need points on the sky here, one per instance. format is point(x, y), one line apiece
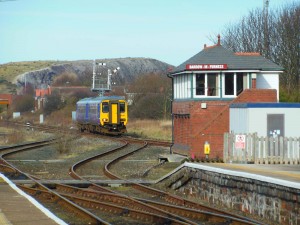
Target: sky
point(171, 31)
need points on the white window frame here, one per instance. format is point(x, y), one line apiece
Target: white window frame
point(205, 84)
point(234, 85)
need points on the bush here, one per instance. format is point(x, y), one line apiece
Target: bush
point(152, 98)
point(23, 103)
point(54, 102)
point(148, 107)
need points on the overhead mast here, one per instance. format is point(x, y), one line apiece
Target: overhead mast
point(102, 77)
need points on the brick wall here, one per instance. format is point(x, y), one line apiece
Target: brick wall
point(209, 124)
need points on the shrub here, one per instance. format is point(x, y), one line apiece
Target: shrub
point(54, 102)
point(23, 103)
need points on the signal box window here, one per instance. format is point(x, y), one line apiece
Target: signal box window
point(212, 85)
point(105, 107)
point(229, 84)
point(241, 82)
point(200, 84)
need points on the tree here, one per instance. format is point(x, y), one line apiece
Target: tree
point(23, 103)
point(276, 36)
point(53, 102)
point(152, 96)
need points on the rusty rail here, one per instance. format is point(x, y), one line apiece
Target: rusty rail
point(89, 218)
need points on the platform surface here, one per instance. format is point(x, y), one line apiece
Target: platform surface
point(17, 208)
point(278, 174)
point(279, 171)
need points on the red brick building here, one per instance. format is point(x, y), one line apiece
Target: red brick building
point(6, 99)
point(203, 88)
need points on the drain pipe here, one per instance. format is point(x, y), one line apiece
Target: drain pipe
point(168, 75)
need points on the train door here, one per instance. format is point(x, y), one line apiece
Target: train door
point(87, 112)
point(114, 113)
point(98, 112)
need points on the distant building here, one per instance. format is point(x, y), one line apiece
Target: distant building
point(205, 85)
point(6, 99)
point(43, 92)
point(40, 95)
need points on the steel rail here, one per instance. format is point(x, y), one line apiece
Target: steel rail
point(99, 188)
point(211, 215)
point(176, 200)
point(122, 200)
point(91, 218)
point(169, 198)
point(112, 207)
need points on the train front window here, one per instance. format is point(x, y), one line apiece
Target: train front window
point(105, 107)
point(122, 107)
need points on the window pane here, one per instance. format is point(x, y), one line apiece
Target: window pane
point(229, 84)
point(212, 84)
point(105, 108)
point(122, 107)
point(200, 84)
point(239, 83)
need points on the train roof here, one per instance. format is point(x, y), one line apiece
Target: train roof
point(100, 99)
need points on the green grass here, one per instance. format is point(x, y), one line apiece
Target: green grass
point(9, 71)
point(153, 129)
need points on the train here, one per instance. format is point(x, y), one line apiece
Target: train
point(106, 115)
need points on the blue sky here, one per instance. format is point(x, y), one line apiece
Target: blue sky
point(167, 30)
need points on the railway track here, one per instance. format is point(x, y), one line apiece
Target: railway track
point(173, 204)
point(82, 214)
point(161, 207)
point(139, 215)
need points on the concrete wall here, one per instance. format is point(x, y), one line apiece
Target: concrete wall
point(258, 120)
point(268, 81)
point(254, 120)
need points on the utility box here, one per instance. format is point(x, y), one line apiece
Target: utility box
point(265, 119)
point(41, 118)
point(206, 149)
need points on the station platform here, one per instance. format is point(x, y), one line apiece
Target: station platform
point(285, 172)
point(16, 207)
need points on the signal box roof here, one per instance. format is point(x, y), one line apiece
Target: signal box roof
point(218, 55)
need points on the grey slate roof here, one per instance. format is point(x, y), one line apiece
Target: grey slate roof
point(219, 55)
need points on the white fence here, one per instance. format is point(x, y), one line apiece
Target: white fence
point(261, 150)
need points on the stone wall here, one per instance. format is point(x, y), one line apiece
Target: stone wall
point(270, 203)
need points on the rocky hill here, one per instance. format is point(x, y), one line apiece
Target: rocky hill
point(129, 69)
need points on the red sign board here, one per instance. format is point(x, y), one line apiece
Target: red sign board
point(206, 66)
point(240, 141)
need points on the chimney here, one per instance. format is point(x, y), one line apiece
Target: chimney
point(205, 46)
point(219, 40)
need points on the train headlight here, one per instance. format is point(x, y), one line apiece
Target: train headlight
point(105, 120)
